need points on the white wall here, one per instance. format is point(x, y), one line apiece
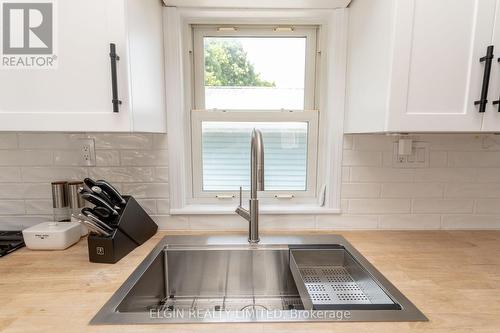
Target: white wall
point(460, 190)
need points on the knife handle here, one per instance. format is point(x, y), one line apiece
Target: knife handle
point(89, 182)
point(93, 199)
point(111, 191)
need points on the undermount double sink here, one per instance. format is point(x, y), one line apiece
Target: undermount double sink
point(224, 279)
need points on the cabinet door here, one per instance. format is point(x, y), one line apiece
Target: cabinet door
point(436, 73)
point(491, 118)
point(77, 94)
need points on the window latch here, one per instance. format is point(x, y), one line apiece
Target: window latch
point(221, 29)
point(284, 29)
point(284, 196)
point(224, 197)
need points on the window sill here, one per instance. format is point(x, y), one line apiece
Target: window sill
point(264, 210)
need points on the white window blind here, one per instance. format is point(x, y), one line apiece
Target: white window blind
point(226, 155)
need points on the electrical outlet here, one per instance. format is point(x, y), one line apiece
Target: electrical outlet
point(418, 158)
point(87, 152)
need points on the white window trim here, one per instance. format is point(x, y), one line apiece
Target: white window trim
point(200, 31)
point(180, 99)
point(278, 115)
point(206, 197)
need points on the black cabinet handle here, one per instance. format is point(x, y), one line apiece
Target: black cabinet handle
point(114, 82)
point(486, 79)
point(498, 100)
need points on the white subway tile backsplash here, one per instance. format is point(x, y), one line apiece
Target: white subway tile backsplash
point(277, 222)
point(364, 174)
point(438, 159)
point(488, 175)
point(373, 142)
point(487, 206)
point(456, 142)
point(49, 174)
point(150, 190)
point(149, 205)
point(39, 207)
point(474, 159)
point(169, 222)
point(123, 174)
point(459, 190)
point(346, 222)
point(344, 205)
point(8, 141)
point(217, 222)
point(122, 141)
point(490, 142)
point(144, 158)
point(360, 190)
point(160, 141)
point(163, 206)
point(444, 175)
point(10, 174)
point(442, 206)
point(387, 159)
point(49, 140)
point(412, 190)
point(22, 221)
point(346, 174)
point(360, 158)
point(471, 222)
point(12, 207)
point(25, 191)
point(410, 222)
point(473, 190)
point(161, 174)
point(348, 141)
point(67, 157)
point(107, 158)
point(26, 157)
point(379, 206)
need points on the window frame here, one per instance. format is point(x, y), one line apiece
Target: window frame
point(276, 197)
point(332, 50)
point(307, 114)
point(202, 31)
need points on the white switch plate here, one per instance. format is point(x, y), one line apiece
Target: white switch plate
point(87, 152)
point(418, 159)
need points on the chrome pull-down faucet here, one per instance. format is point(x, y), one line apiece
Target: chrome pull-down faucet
point(256, 184)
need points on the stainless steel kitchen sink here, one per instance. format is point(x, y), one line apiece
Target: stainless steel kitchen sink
point(188, 279)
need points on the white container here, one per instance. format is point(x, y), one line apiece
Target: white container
point(52, 235)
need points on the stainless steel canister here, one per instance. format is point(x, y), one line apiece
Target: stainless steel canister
point(59, 201)
point(74, 198)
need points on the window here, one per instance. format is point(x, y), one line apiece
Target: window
point(252, 73)
point(254, 77)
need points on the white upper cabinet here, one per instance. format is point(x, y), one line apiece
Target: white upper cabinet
point(76, 94)
point(414, 65)
point(491, 120)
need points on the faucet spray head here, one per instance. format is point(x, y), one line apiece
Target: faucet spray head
point(258, 156)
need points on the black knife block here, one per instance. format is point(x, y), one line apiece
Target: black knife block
point(134, 227)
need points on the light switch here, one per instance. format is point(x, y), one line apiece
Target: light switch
point(418, 156)
point(405, 147)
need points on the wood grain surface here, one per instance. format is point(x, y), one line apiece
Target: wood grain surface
point(452, 276)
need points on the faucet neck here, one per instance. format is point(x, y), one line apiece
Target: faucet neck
point(256, 184)
point(256, 164)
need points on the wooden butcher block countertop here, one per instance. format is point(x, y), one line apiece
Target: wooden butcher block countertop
point(453, 277)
